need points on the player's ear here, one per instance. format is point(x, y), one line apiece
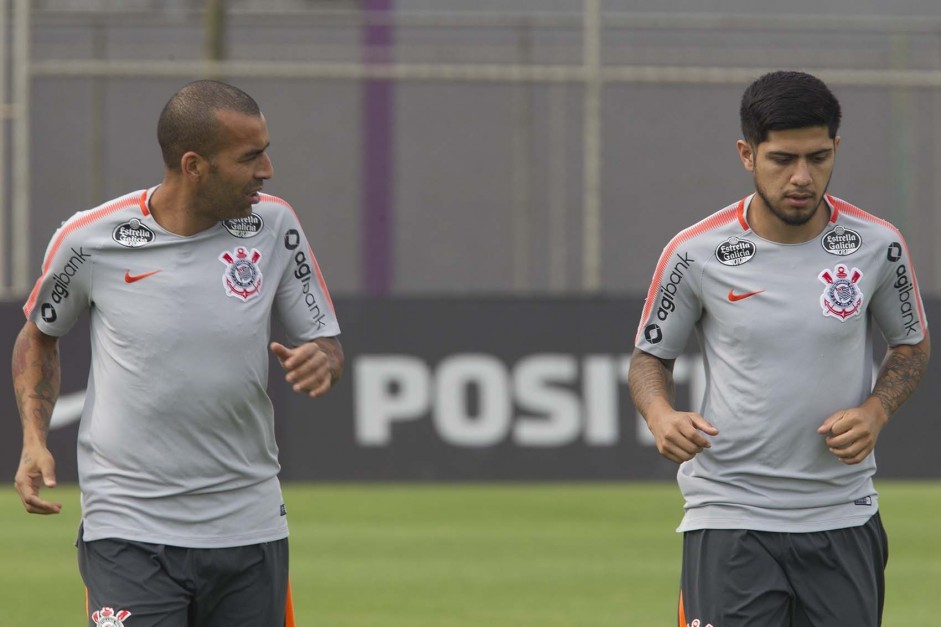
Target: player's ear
point(192, 164)
point(747, 154)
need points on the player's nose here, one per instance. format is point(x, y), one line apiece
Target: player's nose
point(265, 168)
point(801, 175)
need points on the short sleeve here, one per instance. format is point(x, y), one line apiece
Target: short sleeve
point(62, 292)
point(897, 305)
point(672, 307)
point(303, 301)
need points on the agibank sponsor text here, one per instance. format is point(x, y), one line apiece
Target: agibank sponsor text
point(670, 286)
point(303, 273)
point(904, 287)
point(61, 280)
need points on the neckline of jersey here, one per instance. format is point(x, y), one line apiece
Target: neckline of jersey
point(744, 204)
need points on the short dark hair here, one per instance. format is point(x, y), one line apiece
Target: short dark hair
point(787, 100)
point(188, 120)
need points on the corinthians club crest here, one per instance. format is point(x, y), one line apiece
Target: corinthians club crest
point(107, 617)
point(242, 277)
point(841, 296)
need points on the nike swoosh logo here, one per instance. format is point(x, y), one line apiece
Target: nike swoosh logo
point(131, 278)
point(733, 297)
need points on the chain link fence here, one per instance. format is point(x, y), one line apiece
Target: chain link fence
point(458, 152)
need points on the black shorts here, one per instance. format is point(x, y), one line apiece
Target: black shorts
point(151, 585)
point(741, 578)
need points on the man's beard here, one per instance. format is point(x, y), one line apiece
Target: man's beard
point(791, 219)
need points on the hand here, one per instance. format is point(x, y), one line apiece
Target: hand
point(851, 434)
point(37, 469)
point(679, 435)
point(307, 367)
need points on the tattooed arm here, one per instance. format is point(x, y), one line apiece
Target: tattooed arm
point(332, 348)
point(312, 368)
point(36, 377)
point(900, 373)
point(678, 434)
point(851, 434)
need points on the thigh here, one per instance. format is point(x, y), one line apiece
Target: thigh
point(242, 586)
point(731, 578)
point(839, 576)
point(125, 581)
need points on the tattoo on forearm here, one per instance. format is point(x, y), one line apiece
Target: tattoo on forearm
point(37, 367)
point(650, 379)
point(334, 351)
point(49, 365)
point(899, 376)
point(19, 356)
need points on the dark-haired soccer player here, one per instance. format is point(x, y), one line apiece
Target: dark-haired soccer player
point(782, 287)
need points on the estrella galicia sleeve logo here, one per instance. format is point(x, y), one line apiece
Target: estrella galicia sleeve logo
point(735, 251)
point(242, 276)
point(249, 226)
point(841, 241)
point(132, 234)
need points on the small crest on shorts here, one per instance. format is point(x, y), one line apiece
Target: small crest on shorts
point(249, 226)
point(841, 296)
point(841, 241)
point(242, 276)
point(107, 617)
point(735, 251)
point(132, 234)
point(866, 500)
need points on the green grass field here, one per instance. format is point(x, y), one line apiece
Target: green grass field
point(579, 555)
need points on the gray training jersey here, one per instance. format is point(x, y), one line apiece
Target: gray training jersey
point(176, 442)
point(785, 336)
